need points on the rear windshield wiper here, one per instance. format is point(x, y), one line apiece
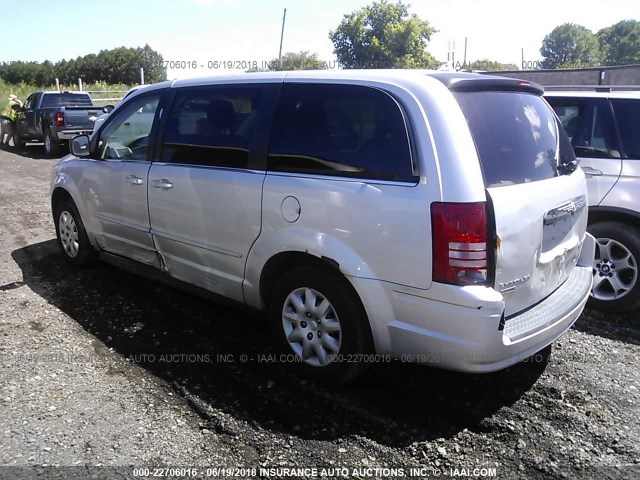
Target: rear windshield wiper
point(567, 168)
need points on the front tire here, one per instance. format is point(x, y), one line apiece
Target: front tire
point(51, 145)
point(18, 142)
point(72, 237)
point(317, 317)
point(616, 274)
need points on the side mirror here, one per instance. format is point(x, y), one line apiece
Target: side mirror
point(108, 108)
point(15, 107)
point(80, 146)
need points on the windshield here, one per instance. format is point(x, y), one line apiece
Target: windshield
point(517, 136)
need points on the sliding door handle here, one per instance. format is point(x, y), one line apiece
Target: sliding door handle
point(162, 183)
point(135, 180)
point(591, 172)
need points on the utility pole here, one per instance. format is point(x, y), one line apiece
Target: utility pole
point(284, 17)
point(464, 60)
point(451, 54)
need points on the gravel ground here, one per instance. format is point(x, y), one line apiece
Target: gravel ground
point(101, 368)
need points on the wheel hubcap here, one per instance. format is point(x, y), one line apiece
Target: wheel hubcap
point(68, 234)
point(311, 326)
point(615, 271)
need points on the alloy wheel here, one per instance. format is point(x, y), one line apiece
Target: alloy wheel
point(615, 270)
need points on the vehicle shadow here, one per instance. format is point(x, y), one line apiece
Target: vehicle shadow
point(197, 347)
point(33, 151)
point(624, 327)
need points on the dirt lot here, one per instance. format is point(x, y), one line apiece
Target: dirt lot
point(100, 368)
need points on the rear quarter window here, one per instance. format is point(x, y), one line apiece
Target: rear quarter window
point(588, 122)
point(628, 118)
point(517, 136)
point(340, 130)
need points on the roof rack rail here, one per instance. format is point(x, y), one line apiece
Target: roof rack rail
point(595, 88)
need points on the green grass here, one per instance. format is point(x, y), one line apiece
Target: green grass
point(23, 91)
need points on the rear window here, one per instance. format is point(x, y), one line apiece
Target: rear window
point(66, 100)
point(517, 136)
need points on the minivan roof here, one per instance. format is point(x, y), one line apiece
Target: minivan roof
point(457, 81)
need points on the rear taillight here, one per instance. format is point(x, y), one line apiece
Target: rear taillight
point(459, 243)
point(59, 119)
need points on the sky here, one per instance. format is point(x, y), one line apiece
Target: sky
point(242, 31)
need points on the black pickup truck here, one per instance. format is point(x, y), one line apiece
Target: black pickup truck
point(54, 117)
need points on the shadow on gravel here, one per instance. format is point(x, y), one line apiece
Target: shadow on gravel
point(35, 152)
point(624, 327)
point(195, 345)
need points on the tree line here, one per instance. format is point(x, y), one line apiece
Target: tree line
point(387, 35)
point(119, 65)
point(380, 35)
point(570, 45)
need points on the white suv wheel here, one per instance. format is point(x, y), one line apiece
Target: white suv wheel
point(615, 270)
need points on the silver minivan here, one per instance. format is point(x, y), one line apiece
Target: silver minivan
point(430, 217)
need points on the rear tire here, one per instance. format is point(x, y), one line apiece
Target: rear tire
point(72, 237)
point(616, 272)
point(319, 321)
point(51, 145)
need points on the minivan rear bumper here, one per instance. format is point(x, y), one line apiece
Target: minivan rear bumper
point(475, 337)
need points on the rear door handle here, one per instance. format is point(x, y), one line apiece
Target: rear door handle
point(591, 172)
point(162, 183)
point(135, 180)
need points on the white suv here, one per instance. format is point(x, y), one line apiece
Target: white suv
point(435, 218)
point(603, 124)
